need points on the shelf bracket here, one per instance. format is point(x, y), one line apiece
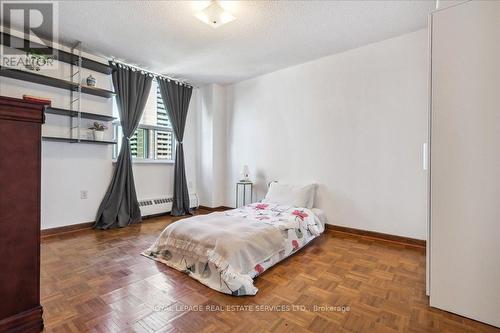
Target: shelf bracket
point(76, 94)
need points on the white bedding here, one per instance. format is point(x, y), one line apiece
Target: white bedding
point(226, 250)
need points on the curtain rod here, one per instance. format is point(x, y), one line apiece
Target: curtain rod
point(154, 74)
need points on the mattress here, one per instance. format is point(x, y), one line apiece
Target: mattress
point(297, 227)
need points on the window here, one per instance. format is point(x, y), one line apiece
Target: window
point(153, 141)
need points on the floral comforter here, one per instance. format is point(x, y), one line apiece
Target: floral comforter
point(297, 226)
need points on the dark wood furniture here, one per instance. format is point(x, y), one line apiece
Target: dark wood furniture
point(20, 149)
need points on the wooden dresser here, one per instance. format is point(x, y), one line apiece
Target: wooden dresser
point(20, 154)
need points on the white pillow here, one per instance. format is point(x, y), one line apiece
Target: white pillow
point(293, 195)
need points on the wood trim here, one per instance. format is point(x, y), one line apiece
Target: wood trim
point(364, 233)
point(378, 235)
point(215, 209)
point(67, 228)
point(24, 322)
point(88, 225)
point(39, 219)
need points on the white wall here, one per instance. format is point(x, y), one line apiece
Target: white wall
point(211, 168)
point(68, 168)
point(353, 122)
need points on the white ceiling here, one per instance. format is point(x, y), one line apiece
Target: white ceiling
point(164, 36)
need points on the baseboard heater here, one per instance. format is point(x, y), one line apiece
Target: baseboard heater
point(163, 205)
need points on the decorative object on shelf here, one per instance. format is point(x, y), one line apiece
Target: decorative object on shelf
point(243, 186)
point(34, 61)
point(98, 135)
point(245, 174)
point(37, 99)
point(98, 130)
point(91, 81)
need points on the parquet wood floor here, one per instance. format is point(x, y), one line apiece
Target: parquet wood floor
point(96, 281)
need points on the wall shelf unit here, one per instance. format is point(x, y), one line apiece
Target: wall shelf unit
point(53, 82)
point(60, 55)
point(73, 85)
point(72, 113)
point(71, 140)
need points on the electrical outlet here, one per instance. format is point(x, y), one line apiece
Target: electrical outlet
point(84, 194)
point(190, 185)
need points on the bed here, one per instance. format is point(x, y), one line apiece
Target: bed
point(227, 250)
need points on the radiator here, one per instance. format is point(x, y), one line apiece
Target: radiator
point(163, 205)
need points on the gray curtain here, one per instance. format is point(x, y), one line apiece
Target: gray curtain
point(176, 98)
point(120, 207)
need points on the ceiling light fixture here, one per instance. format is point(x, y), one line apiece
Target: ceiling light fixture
point(215, 15)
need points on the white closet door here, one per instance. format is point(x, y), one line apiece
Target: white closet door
point(465, 161)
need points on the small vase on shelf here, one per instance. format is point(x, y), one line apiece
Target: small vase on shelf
point(91, 81)
point(98, 135)
point(98, 131)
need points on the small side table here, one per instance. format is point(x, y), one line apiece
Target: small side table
point(243, 185)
